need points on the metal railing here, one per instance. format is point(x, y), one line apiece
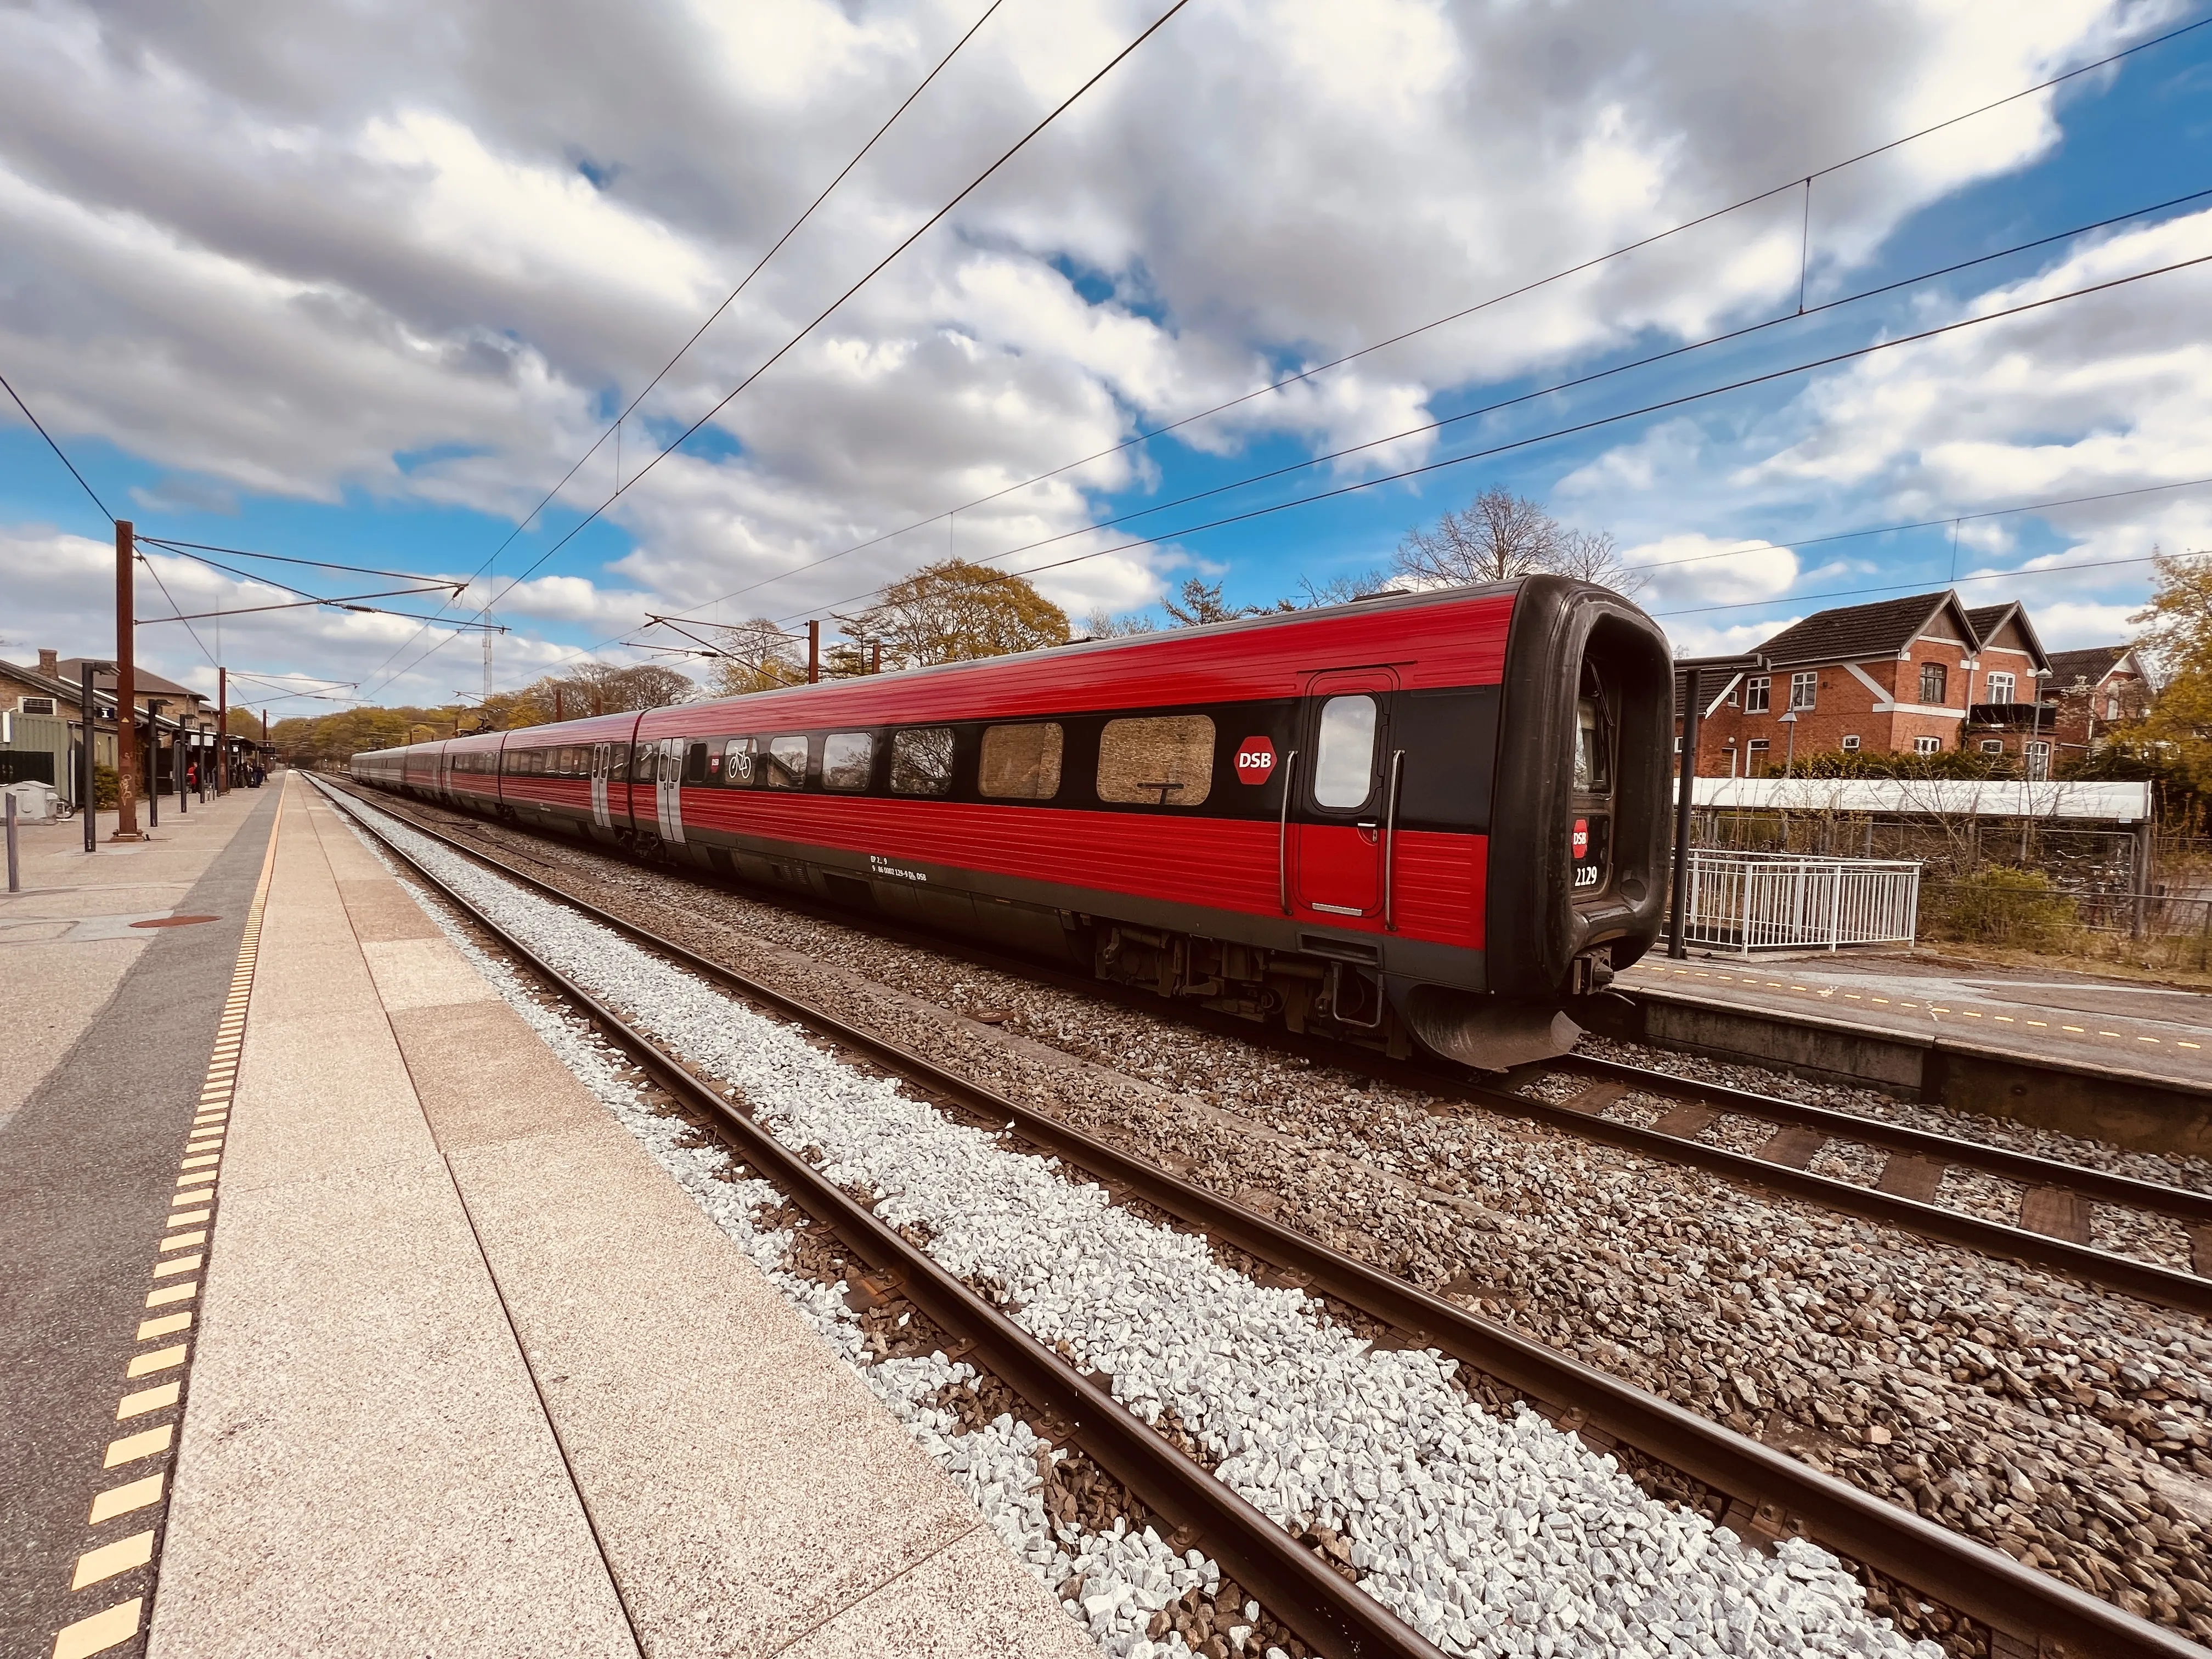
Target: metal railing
point(1749, 902)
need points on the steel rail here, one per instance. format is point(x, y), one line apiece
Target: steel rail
point(2165, 1286)
point(1780, 1493)
point(1328, 1613)
point(2026, 1168)
point(2187, 1292)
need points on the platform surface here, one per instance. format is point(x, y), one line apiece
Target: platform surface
point(2081, 1019)
point(113, 1021)
point(473, 1377)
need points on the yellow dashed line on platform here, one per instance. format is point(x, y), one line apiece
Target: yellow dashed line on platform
point(183, 1264)
point(109, 1559)
point(160, 1359)
point(99, 1632)
point(166, 1325)
point(169, 1293)
point(132, 1447)
point(121, 1500)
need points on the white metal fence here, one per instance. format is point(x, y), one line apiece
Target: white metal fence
point(1751, 901)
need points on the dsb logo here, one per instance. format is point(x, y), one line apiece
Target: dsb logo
point(1582, 837)
point(1256, 759)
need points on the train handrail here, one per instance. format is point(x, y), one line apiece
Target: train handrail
point(1390, 843)
point(1283, 832)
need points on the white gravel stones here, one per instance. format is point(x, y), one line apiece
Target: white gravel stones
point(1128, 1575)
point(1489, 1535)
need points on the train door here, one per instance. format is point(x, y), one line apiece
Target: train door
point(668, 788)
point(1342, 838)
point(602, 763)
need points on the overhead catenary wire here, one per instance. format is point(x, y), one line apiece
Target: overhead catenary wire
point(1307, 462)
point(60, 454)
point(835, 305)
point(793, 229)
point(1595, 423)
point(1551, 389)
point(1798, 182)
point(1805, 183)
point(173, 545)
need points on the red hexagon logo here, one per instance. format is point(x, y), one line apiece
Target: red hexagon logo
point(1256, 759)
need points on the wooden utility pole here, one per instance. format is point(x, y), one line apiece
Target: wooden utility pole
point(222, 731)
point(814, 652)
point(126, 688)
point(875, 656)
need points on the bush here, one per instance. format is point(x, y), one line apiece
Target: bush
point(2016, 908)
point(1886, 764)
point(106, 787)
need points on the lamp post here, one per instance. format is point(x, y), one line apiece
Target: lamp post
point(1790, 753)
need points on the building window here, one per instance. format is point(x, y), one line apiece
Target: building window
point(1754, 695)
point(1932, 685)
point(2001, 687)
point(2112, 708)
point(1754, 763)
point(2038, 760)
point(1993, 746)
point(1165, 761)
point(34, 705)
point(1802, 688)
point(1927, 745)
point(1021, 763)
point(1851, 743)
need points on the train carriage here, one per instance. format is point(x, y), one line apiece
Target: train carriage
point(1433, 818)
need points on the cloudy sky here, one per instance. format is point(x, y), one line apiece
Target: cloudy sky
point(363, 284)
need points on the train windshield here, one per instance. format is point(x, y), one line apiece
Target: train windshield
point(1593, 749)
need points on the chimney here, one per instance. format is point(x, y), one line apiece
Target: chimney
point(50, 664)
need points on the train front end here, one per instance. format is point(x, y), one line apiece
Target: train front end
point(1577, 878)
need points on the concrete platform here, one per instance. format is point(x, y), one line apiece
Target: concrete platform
point(2077, 1018)
point(474, 1378)
point(116, 1024)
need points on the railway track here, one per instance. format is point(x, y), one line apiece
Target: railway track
point(2055, 1195)
point(1767, 1496)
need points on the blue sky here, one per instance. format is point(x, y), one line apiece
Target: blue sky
point(343, 297)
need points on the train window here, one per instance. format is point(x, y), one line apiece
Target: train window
point(738, 761)
point(1593, 748)
point(845, 758)
point(784, 765)
point(695, 763)
point(1344, 754)
point(921, 760)
point(1021, 763)
point(1162, 761)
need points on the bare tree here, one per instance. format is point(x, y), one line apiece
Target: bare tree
point(1501, 536)
point(1341, 590)
point(757, 656)
point(1100, 624)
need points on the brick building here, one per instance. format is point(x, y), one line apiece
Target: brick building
point(2011, 714)
point(1899, 674)
point(2094, 690)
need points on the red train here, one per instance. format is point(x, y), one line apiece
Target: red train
point(1432, 818)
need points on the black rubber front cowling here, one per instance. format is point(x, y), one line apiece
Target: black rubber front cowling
point(1567, 636)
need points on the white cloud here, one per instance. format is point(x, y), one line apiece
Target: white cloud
point(416, 251)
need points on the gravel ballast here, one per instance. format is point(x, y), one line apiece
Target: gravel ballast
point(2064, 1425)
point(1490, 1534)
